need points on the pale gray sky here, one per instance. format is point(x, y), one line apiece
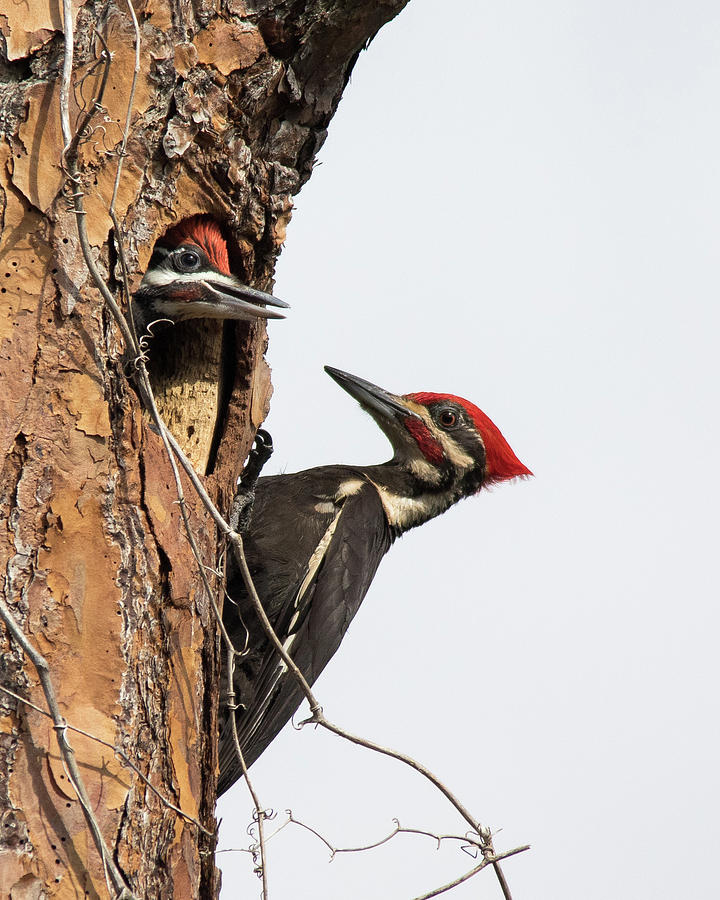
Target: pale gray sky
point(518, 203)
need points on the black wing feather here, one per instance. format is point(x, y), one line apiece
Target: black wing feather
point(278, 552)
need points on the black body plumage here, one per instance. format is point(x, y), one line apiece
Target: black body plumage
point(291, 517)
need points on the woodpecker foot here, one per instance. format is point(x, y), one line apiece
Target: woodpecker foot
point(258, 456)
point(242, 505)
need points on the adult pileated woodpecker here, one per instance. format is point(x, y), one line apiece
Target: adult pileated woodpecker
point(189, 277)
point(316, 538)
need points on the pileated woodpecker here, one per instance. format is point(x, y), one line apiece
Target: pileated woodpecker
point(189, 277)
point(316, 538)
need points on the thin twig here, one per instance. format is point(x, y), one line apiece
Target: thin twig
point(167, 439)
point(74, 776)
point(500, 875)
point(259, 810)
point(398, 829)
point(68, 39)
point(146, 389)
point(128, 115)
point(236, 543)
point(68, 754)
point(71, 149)
point(482, 831)
point(122, 152)
point(492, 860)
point(118, 752)
point(409, 761)
point(148, 398)
point(231, 651)
point(317, 717)
point(251, 850)
point(79, 210)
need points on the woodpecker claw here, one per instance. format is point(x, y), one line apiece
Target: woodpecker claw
point(243, 503)
point(263, 444)
point(259, 455)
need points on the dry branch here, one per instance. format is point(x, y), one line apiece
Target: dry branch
point(466, 842)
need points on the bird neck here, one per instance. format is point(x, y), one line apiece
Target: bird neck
point(410, 500)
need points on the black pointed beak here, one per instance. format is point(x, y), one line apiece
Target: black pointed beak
point(372, 398)
point(242, 302)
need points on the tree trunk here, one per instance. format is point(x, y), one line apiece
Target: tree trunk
point(228, 113)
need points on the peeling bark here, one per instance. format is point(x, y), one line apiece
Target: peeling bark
point(232, 104)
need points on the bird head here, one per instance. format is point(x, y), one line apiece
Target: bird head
point(189, 277)
point(443, 441)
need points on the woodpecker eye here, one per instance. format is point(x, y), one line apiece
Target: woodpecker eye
point(447, 418)
point(187, 260)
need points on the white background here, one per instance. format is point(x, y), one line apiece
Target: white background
point(518, 203)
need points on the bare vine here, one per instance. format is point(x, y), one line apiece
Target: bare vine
point(119, 888)
point(142, 377)
point(469, 843)
point(119, 752)
point(479, 838)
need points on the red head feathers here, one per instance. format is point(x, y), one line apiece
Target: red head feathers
point(203, 232)
point(502, 464)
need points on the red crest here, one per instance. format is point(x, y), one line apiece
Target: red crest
point(204, 232)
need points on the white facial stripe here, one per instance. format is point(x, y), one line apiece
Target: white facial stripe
point(219, 279)
point(161, 276)
point(158, 276)
point(405, 512)
point(461, 461)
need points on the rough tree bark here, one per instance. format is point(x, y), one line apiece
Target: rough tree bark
point(232, 104)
